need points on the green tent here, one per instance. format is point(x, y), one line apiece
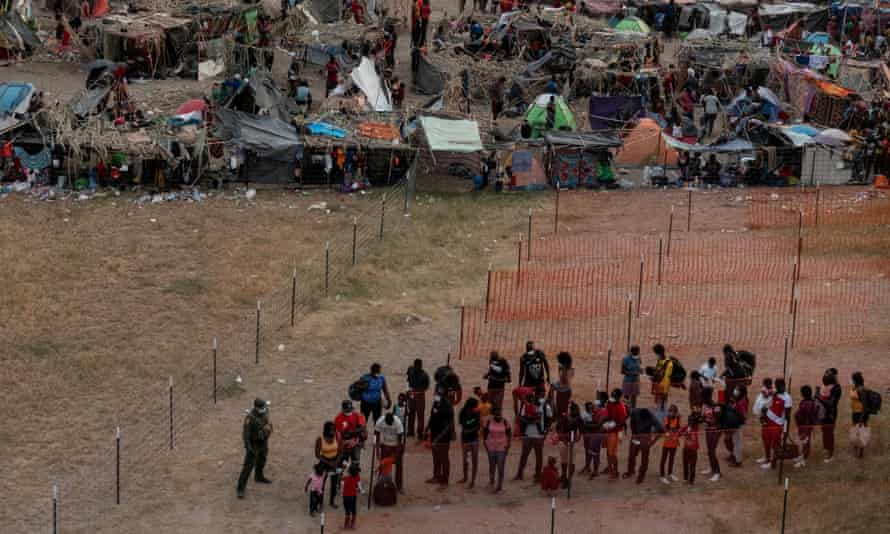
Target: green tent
point(633, 24)
point(537, 115)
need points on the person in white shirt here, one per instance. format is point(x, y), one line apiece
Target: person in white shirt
point(390, 431)
point(709, 373)
point(767, 38)
point(712, 107)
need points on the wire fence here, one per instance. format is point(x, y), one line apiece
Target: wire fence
point(819, 206)
point(88, 489)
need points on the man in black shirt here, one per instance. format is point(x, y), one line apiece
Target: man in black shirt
point(645, 429)
point(418, 383)
point(441, 431)
point(533, 368)
point(498, 376)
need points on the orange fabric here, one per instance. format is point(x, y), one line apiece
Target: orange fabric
point(100, 7)
point(832, 90)
point(640, 146)
point(881, 182)
point(378, 130)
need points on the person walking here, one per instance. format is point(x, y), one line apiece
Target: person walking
point(536, 415)
point(390, 432)
point(829, 395)
point(329, 453)
point(470, 421)
point(425, 12)
point(616, 420)
point(645, 430)
point(418, 384)
point(351, 432)
point(498, 377)
point(496, 94)
point(332, 73)
point(351, 488)
point(712, 107)
point(373, 396)
point(672, 427)
point(255, 433)
point(631, 369)
point(441, 431)
point(496, 438)
point(696, 390)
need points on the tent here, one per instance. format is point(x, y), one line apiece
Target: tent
point(15, 99)
point(365, 77)
point(644, 145)
point(525, 164)
point(272, 142)
point(611, 112)
point(16, 35)
point(449, 146)
point(428, 79)
point(575, 157)
point(537, 115)
point(633, 25)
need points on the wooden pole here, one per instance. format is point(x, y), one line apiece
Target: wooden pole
point(556, 213)
point(608, 365)
point(117, 468)
point(785, 360)
point(382, 214)
point(640, 287)
point(258, 314)
point(660, 243)
point(327, 266)
point(215, 350)
point(374, 439)
point(794, 320)
point(460, 348)
point(793, 286)
point(354, 238)
point(293, 297)
point(553, 515)
point(528, 254)
point(170, 389)
point(689, 212)
point(519, 260)
point(55, 509)
point(816, 216)
point(630, 303)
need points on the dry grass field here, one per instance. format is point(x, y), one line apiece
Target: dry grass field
point(103, 300)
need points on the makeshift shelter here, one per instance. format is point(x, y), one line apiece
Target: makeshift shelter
point(428, 79)
point(644, 145)
point(580, 160)
point(536, 115)
point(146, 43)
point(527, 167)
point(633, 25)
point(612, 112)
point(15, 100)
point(449, 146)
point(270, 145)
point(365, 77)
point(809, 93)
point(259, 95)
point(16, 36)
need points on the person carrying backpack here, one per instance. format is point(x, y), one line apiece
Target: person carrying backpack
point(809, 413)
point(372, 397)
point(863, 403)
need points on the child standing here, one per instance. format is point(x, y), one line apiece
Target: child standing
point(690, 448)
point(809, 414)
point(591, 432)
point(315, 487)
point(550, 477)
point(351, 486)
point(671, 442)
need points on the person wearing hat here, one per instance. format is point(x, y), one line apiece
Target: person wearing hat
point(351, 433)
point(256, 433)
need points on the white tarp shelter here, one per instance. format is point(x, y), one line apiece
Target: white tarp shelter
point(365, 78)
point(451, 135)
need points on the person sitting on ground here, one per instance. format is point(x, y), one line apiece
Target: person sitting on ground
point(712, 170)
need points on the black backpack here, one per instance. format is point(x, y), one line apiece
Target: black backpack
point(730, 418)
point(871, 401)
point(357, 388)
point(747, 361)
point(678, 372)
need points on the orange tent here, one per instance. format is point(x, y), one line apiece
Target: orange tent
point(645, 146)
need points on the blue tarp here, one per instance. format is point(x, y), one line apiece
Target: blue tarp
point(323, 128)
point(11, 95)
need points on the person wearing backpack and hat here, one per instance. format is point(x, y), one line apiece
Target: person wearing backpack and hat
point(256, 432)
point(829, 395)
point(735, 415)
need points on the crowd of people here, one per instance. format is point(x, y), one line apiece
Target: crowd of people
point(718, 408)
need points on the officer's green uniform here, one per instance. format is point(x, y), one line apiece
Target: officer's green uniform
point(256, 444)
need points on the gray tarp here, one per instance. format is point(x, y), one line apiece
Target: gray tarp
point(429, 80)
point(88, 103)
point(266, 95)
point(267, 137)
point(326, 11)
point(17, 31)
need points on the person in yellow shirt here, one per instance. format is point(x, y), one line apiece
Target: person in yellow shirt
point(661, 379)
point(860, 434)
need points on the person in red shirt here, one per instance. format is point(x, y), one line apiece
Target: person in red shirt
point(332, 70)
point(358, 11)
point(550, 477)
point(350, 427)
point(351, 487)
point(616, 418)
point(689, 433)
point(425, 11)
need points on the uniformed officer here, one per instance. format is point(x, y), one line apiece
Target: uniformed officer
point(257, 430)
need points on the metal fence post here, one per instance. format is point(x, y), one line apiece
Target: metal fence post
point(660, 244)
point(556, 213)
point(670, 231)
point(784, 506)
point(215, 351)
point(519, 260)
point(117, 466)
point(327, 266)
point(528, 255)
point(170, 388)
point(293, 297)
point(354, 238)
point(382, 215)
point(640, 288)
point(55, 509)
point(258, 313)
